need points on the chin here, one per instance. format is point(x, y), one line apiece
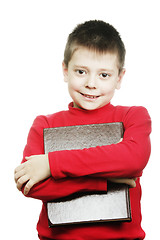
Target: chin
point(89, 107)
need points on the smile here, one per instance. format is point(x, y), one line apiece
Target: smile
point(89, 96)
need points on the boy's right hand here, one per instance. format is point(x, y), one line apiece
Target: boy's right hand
point(34, 170)
point(129, 181)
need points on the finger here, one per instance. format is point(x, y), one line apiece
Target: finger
point(32, 156)
point(18, 174)
point(128, 181)
point(28, 186)
point(131, 183)
point(114, 180)
point(19, 168)
point(22, 180)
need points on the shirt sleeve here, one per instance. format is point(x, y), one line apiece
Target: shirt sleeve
point(125, 159)
point(50, 188)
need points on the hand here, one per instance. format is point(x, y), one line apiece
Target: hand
point(129, 181)
point(34, 170)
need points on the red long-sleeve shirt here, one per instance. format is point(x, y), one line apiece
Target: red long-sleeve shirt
point(87, 169)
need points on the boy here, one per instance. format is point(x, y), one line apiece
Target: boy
point(93, 68)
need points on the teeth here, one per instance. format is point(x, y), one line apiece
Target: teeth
point(89, 96)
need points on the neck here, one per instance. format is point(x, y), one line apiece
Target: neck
point(74, 108)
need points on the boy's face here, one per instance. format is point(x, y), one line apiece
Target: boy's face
point(92, 78)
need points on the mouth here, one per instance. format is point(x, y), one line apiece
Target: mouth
point(88, 96)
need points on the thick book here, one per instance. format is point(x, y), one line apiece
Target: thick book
point(91, 207)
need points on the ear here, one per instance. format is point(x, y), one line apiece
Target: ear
point(65, 72)
point(120, 77)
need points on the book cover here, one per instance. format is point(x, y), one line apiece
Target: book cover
point(92, 207)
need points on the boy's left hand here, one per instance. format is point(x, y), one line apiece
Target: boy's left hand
point(34, 170)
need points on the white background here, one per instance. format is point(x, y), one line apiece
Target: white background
point(32, 38)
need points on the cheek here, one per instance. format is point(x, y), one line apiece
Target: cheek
point(108, 88)
point(74, 84)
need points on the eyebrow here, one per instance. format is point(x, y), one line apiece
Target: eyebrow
point(105, 69)
point(79, 66)
point(100, 70)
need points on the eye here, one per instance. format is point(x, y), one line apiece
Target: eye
point(104, 75)
point(80, 72)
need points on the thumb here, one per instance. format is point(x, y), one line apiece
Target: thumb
point(132, 183)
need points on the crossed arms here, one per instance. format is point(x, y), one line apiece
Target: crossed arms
point(48, 176)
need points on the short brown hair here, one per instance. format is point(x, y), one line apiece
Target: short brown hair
point(95, 35)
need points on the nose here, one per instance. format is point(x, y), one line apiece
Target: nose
point(91, 82)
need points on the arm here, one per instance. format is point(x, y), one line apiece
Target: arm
point(48, 189)
point(126, 159)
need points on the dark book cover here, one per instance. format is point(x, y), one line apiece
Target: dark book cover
point(92, 207)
